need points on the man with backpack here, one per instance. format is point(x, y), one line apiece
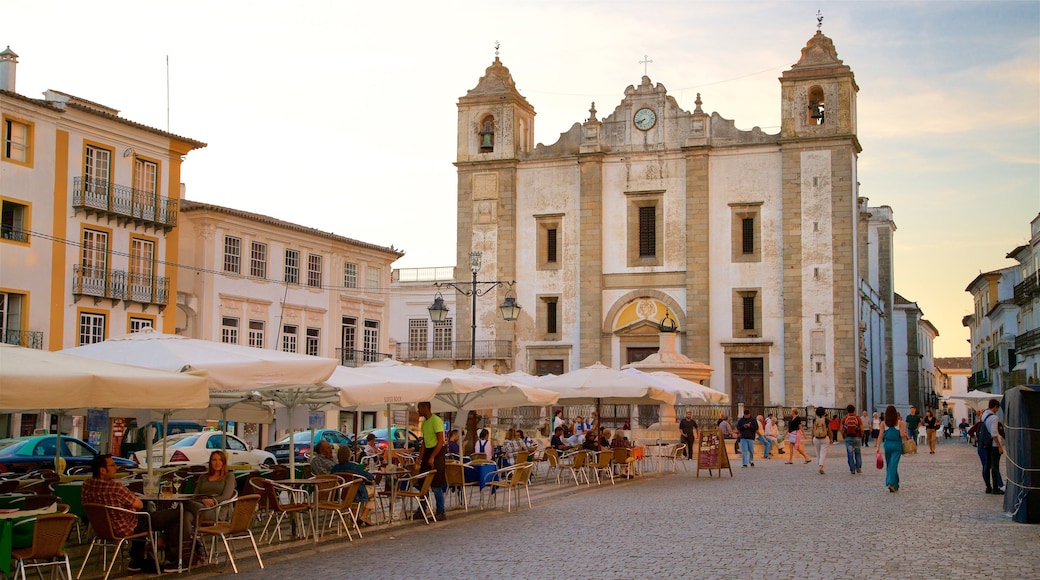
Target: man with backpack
point(852, 429)
point(992, 444)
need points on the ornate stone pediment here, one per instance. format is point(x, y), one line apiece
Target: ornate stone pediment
point(819, 51)
point(496, 81)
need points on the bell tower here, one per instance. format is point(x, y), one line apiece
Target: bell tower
point(819, 152)
point(495, 130)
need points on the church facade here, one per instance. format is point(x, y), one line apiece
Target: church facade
point(749, 242)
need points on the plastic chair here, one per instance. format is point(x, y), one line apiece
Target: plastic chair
point(576, 465)
point(510, 479)
point(677, 456)
point(48, 544)
point(604, 464)
point(339, 500)
point(237, 528)
point(100, 517)
point(455, 474)
point(552, 460)
point(422, 482)
point(624, 461)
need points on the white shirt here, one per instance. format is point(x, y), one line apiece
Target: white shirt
point(990, 420)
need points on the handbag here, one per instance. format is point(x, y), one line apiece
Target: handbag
point(880, 460)
point(909, 446)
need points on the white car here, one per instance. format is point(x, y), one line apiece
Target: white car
point(195, 448)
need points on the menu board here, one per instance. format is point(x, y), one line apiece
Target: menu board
point(711, 452)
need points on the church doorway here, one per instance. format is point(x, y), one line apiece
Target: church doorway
point(747, 379)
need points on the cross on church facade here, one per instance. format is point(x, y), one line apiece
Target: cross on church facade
point(646, 61)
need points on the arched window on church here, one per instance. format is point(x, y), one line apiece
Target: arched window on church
point(816, 107)
point(487, 134)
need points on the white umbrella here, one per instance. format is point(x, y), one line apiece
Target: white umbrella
point(599, 383)
point(685, 390)
point(974, 396)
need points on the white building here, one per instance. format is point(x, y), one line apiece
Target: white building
point(994, 329)
point(1027, 298)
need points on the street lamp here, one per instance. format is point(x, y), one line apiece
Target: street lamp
point(509, 308)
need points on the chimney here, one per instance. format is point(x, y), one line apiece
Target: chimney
point(8, 64)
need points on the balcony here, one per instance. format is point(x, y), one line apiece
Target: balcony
point(26, 338)
point(356, 358)
point(459, 350)
point(993, 359)
point(123, 203)
point(119, 285)
point(980, 381)
point(1026, 290)
point(1027, 340)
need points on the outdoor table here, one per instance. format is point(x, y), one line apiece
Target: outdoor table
point(71, 494)
point(312, 483)
point(480, 473)
point(12, 500)
point(179, 499)
point(393, 476)
point(8, 518)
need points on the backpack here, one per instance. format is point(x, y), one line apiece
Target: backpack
point(819, 428)
point(852, 426)
point(982, 434)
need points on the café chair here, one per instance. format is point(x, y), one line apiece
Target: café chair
point(624, 462)
point(278, 510)
point(677, 456)
point(100, 518)
point(422, 482)
point(576, 465)
point(509, 479)
point(604, 464)
point(552, 460)
point(237, 528)
point(455, 474)
point(48, 544)
point(35, 502)
point(338, 500)
point(9, 485)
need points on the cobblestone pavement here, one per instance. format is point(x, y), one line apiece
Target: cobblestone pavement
point(773, 520)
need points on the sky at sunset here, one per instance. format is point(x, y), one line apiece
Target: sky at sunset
point(342, 115)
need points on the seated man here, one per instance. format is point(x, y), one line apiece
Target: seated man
point(345, 465)
point(103, 489)
point(321, 461)
point(591, 442)
point(557, 442)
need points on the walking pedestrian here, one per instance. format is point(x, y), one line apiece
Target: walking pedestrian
point(747, 428)
point(891, 442)
point(821, 437)
point(875, 428)
point(931, 428)
point(913, 420)
point(760, 436)
point(865, 422)
point(432, 456)
point(834, 426)
point(993, 444)
point(852, 430)
point(794, 437)
point(688, 428)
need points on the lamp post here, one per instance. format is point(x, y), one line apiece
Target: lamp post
point(509, 308)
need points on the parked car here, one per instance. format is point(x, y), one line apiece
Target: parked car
point(23, 454)
point(194, 449)
point(401, 434)
point(303, 444)
point(134, 439)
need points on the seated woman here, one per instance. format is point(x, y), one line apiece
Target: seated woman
point(345, 465)
point(453, 442)
point(214, 486)
point(591, 442)
point(484, 446)
point(604, 438)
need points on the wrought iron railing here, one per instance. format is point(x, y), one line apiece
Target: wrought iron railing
point(120, 285)
point(1027, 339)
point(14, 233)
point(1026, 289)
point(458, 350)
point(26, 338)
point(993, 359)
point(127, 202)
point(356, 358)
point(979, 380)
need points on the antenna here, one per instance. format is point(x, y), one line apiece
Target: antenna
point(167, 93)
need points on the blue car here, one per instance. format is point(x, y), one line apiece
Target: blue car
point(24, 454)
point(302, 443)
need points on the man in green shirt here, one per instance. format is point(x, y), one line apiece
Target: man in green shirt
point(433, 454)
point(913, 420)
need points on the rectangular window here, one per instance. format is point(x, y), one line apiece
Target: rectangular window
point(14, 224)
point(749, 312)
point(258, 260)
point(748, 235)
point(94, 263)
point(289, 338)
point(232, 255)
point(139, 324)
point(292, 267)
point(18, 141)
point(313, 345)
point(442, 338)
point(91, 328)
point(97, 169)
point(547, 231)
point(550, 317)
point(647, 232)
point(348, 341)
point(314, 270)
point(371, 340)
point(256, 333)
point(229, 330)
point(372, 278)
point(142, 274)
point(146, 179)
point(550, 245)
point(349, 275)
point(418, 329)
point(11, 318)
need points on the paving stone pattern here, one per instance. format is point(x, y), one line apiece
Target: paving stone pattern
point(770, 521)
